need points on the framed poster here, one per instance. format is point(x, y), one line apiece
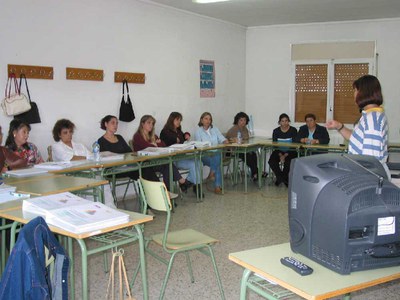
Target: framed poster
point(207, 79)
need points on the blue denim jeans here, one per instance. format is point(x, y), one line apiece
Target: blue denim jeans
point(214, 162)
point(190, 164)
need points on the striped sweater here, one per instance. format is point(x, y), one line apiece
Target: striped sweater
point(370, 135)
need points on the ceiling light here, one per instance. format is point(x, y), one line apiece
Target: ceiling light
point(209, 1)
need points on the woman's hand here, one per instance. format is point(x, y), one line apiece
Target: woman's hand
point(333, 124)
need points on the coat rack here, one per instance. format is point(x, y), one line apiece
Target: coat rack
point(36, 72)
point(130, 77)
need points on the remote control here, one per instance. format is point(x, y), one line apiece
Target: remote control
point(296, 265)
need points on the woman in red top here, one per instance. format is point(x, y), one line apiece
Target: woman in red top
point(145, 137)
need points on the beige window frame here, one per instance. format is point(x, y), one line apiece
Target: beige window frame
point(324, 87)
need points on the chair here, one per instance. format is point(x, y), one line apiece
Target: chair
point(183, 241)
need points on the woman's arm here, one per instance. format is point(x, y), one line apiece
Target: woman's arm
point(344, 131)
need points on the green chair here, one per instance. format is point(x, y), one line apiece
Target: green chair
point(182, 241)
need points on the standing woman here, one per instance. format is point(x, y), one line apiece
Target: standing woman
point(239, 125)
point(283, 133)
point(207, 132)
point(370, 134)
point(172, 134)
point(110, 141)
point(17, 141)
point(65, 149)
point(145, 137)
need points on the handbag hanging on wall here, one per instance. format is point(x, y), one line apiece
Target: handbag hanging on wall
point(31, 116)
point(126, 112)
point(14, 102)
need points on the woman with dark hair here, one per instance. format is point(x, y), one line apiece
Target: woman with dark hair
point(370, 134)
point(8, 159)
point(113, 142)
point(209, 133)
point(172, 134)
point(145, 137)
point(283, 133)
point(65, 149)
point(239, 125)
point(312, 133)
point(17, 141)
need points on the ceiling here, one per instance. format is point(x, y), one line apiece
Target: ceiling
point(271, 12)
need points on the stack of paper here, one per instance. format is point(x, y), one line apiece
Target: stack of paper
point(180, 147)
point(149, 151)
point(7, 193)
point(107, 155)
point(58, 165)
point(26, 172)
point(73, 213)
point(199, 144)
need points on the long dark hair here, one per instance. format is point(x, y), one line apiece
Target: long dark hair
point(16, 125)
point(169, 125)
point(239, 116)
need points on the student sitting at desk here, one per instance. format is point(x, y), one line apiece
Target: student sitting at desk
point(8, 159)
point(208, 133)
point(172, 134)
point(115, 143)
point(239, 125)
point(17, 141)
point(145, 137)
point(65, 149)
point(284, 133)
point(312, 133)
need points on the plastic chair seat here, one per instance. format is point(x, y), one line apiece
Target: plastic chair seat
point(182, 239)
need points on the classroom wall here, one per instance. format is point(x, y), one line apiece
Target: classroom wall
point(268, 66)
point(121, 35)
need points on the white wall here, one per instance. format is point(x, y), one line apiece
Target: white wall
point(120, 35)
point(268, 65)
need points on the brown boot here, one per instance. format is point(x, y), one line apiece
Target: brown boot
point(218, 190)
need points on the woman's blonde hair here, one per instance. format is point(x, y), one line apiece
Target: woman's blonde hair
point(201, 119)
point(150, 137)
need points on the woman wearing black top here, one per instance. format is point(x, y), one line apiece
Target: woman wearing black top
point(284, 133)
point(172, 134)
point(113, 142)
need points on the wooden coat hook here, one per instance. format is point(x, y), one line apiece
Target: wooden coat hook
point(84, 74)
point(130, 77)
point(36, 72)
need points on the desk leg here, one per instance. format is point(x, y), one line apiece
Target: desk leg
point(243, 284)
point(222, 171)
point(142, 262)
point(3, 245)
point(84, 269)
point(72, 268)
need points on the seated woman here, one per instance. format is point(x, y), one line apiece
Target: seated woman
point(239, 125)
point(172, 134)
point(113, 142)
point(145, 137)
point(283, 133)
point(207, 132)
point(312, 133)
point(65, 149)
point(17, 141)
point(8, 159)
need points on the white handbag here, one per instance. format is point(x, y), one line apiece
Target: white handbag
point(14, 102)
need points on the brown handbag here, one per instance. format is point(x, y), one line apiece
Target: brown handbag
point(10, 159)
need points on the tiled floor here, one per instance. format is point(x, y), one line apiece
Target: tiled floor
point(239, 221)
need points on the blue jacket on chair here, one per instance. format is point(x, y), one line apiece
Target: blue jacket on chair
point(26, 275)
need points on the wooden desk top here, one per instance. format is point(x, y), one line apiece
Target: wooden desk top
point(321, 284)
point(56, 184)
point(17, 214)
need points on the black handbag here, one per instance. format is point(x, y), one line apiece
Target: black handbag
point(31, 116)
point(126, 112)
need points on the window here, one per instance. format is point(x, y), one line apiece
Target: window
point(326, 90)
point(323, 76)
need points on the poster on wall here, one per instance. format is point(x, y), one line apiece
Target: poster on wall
point(207, 79)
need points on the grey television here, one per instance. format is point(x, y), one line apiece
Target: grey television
point(343, 212)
